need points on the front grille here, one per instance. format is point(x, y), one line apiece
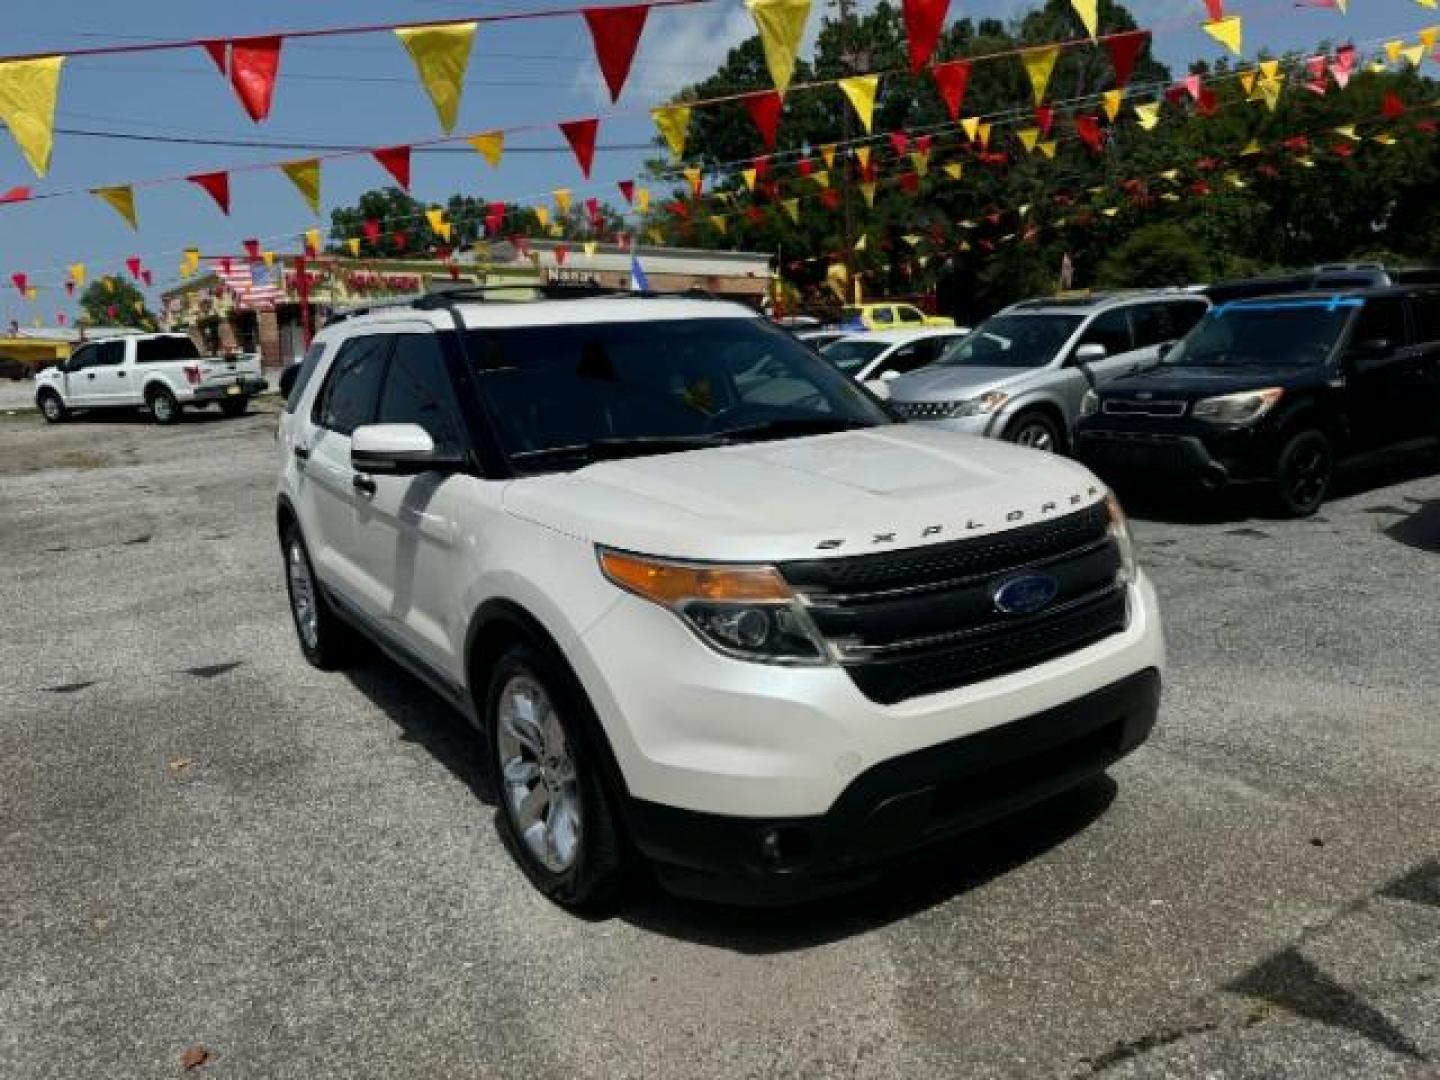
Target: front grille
point(924, 410)
point(1133, 407)
point(922, 620)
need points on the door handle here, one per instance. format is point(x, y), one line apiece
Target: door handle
point(302, 453)
point(363, 484)
point(120, 373)
point(90, 374)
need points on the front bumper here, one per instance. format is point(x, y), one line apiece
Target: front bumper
point(987, 424)
point(899, 806)
point(1211, 457)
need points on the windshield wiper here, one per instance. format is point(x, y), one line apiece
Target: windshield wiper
point(793, 425)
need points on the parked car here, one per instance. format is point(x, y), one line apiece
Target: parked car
point(1275, 391)
point(1328, 277)
point(163, 372)
point(14, 370)
point(877, 359)
point(1020, 375)
point(767, 648)
point(888, 315)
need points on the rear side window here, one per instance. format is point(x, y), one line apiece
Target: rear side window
point(1184, 314)
point(109, 354)
point(159, 350)
point(352, 389)
point(883, 316)
point(304, 375)
point(1427, 317)
point(1381, 320)
point(417, 391)
point(1151, 324)
point(1111, 329)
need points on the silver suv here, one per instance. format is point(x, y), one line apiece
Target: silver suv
point(1021, 374)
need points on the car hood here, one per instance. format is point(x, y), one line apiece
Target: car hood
point(1195, 382)
point(848, 493)
point(949, 383)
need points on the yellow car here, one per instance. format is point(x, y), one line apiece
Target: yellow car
point(888, 315)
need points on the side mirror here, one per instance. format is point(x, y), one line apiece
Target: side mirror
point(1088, 354)
point(396, 450)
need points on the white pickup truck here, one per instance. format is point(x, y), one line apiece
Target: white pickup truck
point(163, 372)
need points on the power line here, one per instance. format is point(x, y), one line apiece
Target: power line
point(256, 144)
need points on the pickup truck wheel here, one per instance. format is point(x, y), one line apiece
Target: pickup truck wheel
point(52, 408)
point(1303, 473)
point(327, 642)
point(163, 406)
point(555, 814)
point(1035, 430)
point(233, 407)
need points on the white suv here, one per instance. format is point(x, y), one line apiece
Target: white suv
point(705, 601)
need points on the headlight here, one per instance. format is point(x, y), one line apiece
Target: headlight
point(1090, 403)
point(1238, 408)
point(983, 405)
point(748, 612)
point(1118, 526)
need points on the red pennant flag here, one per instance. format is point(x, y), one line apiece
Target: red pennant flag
point(147, 277)
point(1296, 144)
point(1124, 51)
point(616, 32)
point(592, 211)
point(805, 166)
point(401, 238)
point(761, 165)
point(133, 265)
point(678, 208)
point(764, 109)
point(1193, 84)
point(899, 142)
point(371, 228)
point(624, 241)
point(70, 288)
point(216, 185)
point(396, 161)
point(560, 252)
point(1343, 149)
point(924, 19)
point(1206, 103)
point(755, 214)
point(1391, 106)
point(254, 63)
point(22, 282)
point(830, 197)
point(1215, 9)
point(1088, 128)
point(252, 249)
point(1427, 126)
point(111, 312)
point(1175, 95)
point(217, 51)
point(1044, 117)
point(627, 191)
point(15, 194)
point(951, 79)
point(910, 182)
point(60, 315)
point(493, 223)
point(580, 134)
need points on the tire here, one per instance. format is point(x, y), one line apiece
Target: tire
point(555, 813)
point(52, 407)
point(326, 641)
point(233, 407)
point(1036, 430)
point(164, 409)
point(1303, 473)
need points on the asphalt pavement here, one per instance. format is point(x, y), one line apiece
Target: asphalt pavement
point(206, 843)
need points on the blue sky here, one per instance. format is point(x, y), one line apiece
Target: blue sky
point(363, 90)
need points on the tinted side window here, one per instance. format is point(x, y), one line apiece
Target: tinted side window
point(110, 353)
point(158, 350)
point(910, 314)
point(417, 391)
point(1151, 323)
point(84, 357)
point(1184, 314)
point(1427, 317)
point(1381, 320)
point(304, 375)
point(352, 388)
point(1111, 329)
point(883, 316)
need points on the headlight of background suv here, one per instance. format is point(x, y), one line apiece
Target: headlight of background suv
point(1118, 526)
point(983, 405)
point(744, 611)
point(1238, 408)
point(1090, 403)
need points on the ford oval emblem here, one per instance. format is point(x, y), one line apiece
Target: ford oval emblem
point(1026, 594)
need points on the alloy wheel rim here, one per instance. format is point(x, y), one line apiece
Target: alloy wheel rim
point(161, 407)
point(1035, 436)
point(302, 597)
point(52, 410)
point(542, 794)
point(1308, 475)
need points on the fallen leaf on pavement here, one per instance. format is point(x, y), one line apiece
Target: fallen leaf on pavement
point(176, 764)
point(194, 1058)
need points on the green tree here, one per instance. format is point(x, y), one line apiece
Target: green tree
point(119, 303)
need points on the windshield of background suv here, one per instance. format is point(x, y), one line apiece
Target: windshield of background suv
point(1282, 334)
point(565, 395)
point(851, 356)
point(1022, 339)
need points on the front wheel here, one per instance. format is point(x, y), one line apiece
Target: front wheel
point(1035, 430)
point(325, 640)
point(555, 813)
point(52, 408)
point(163, 406)
point(1303, 473)
point(233, 407)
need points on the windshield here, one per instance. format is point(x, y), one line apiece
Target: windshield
point(1285, 334)
point(1018, 340)
point(565, 395)
point(851, 356)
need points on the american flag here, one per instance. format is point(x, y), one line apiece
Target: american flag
point(253, 283)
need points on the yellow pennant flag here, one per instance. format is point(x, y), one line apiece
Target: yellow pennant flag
point(913, 239)
point(971, 126)
point(122, 200)
point(1270, 92)
point(868, 190)
point(781, 24)
point(696, 179)
point(1169, 196)
point(354, 245)
point(792, 208)
point(1270, 70)
point(31, 293)
point(1112, 100)
point(954, 170)
point(920, 161)
point(1392, 50)
point(1247, 82)
point(1384, 139)
point(77, 272)
point(862, 155)
point(313, 239)
point(1039, 66)
point(1428, 36)
point(562, 199)
point(860, 244)
point(655, 235)
point(1235, 180)
point(28, 92)
point(1148, 113)
point(748, 175)
point(718, 220)
point(642, 199)
point(1048, 148)
point(827, 153)
point(109, 284)
point(984, 133)
point(674, 123)
point(1088, 12)
point(822, 177)
point(441, 55)
point(542, 215)
point(1226, 31)
point(1110, 211)
point(1348, 130)
point(445, 231)
point(435, 218)
point(590, 247)
point(305, 175)
point(268, 257)
point(1251, 148)
point(1427, 3)
point(1414, 54)
point(1169, 174)
point(1028, 138)
point(189, 262)
point(861, 90)
point(490, 145)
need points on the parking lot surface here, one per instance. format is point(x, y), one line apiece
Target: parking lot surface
point(205, 842)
